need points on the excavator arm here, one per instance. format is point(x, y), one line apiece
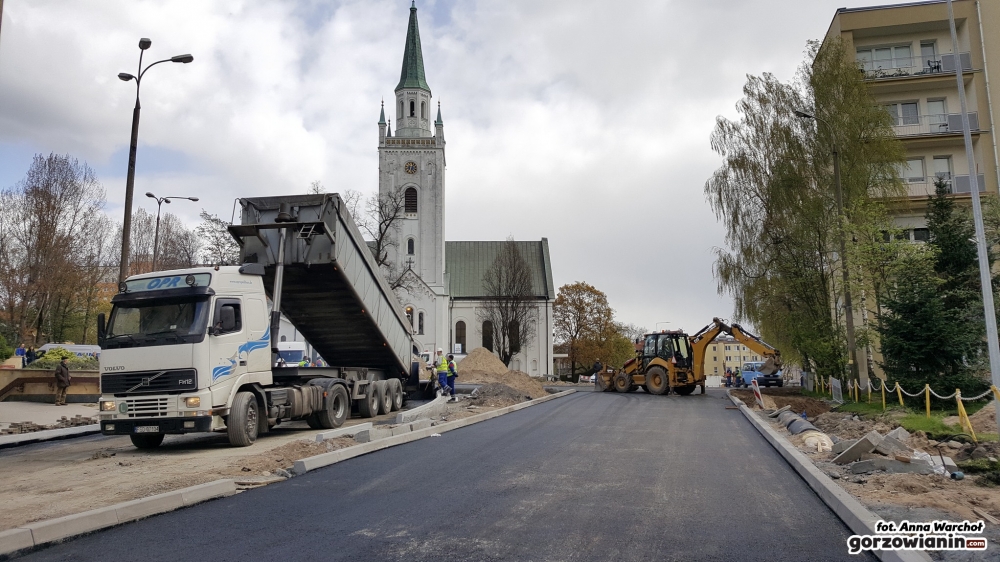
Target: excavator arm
point(704, 337)
point(772, 357)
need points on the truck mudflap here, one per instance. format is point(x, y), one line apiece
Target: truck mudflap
point(189, 424)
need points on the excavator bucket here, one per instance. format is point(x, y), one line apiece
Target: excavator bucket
point(770, 367)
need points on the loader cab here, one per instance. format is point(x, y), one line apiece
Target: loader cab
point(672, 347)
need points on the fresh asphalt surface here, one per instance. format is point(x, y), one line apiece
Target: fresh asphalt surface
point(589, 477)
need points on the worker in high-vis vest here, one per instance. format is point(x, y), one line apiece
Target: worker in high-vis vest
point(441, 365)
point(452, 375)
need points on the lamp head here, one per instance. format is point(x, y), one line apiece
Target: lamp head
point(125, 76)
point(165, 200)
point(150, 194)
point(193, 198)
point(182, 58)
point(144, 43)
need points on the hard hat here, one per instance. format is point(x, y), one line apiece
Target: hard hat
point(440, 350)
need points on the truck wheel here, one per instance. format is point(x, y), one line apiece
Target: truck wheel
point(337, 404)
point(657, 381)
point(685, 390)
point(622, 382)
point(396, 391)
point(243, 419)
point(368, 406)
point(146, 440)
point(384, 397)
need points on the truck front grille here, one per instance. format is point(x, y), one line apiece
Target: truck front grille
point(150, 382)
point(146, 407)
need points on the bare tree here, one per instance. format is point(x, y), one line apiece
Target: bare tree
point(219, 247)
point(379, 223)
point(508, 302)
point(316, 188)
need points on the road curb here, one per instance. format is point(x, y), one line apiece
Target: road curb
point(39, 533)
point(429, 409)
point(350, 430)
point(19, 439)
point(305, 465)
point(856, 516)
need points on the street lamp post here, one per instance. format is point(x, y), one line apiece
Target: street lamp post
point(156, 238)
point(144, 44)
point(852, 351)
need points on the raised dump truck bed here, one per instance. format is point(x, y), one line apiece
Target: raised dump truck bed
point(332, 289)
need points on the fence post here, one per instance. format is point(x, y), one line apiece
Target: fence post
point(883, 395)
point(899, 393)
point(963, 418)
point(927, 399)
point(869, 391)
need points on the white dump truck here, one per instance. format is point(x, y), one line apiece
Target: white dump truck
point(197, 350)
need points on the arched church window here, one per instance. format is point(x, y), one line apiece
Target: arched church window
point(420, 323)
point(410, 200)
point(413, 112)
point(409, 247)
point(488, 335)
point(423, 110)
point(460, 336)
point(514, 334)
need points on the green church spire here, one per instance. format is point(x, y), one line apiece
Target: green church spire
point(412, 75)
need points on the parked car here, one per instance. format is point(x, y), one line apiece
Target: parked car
point(751, 371)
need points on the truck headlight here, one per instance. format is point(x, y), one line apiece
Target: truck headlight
point(192, 401)
point(108, 406)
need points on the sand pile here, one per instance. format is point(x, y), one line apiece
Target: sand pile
point(983, 421)
point(497, 395)
point(482, 367)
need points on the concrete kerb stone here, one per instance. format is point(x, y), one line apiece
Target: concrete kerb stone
point(60, 528)
point(303, 466)
point(420, 424)
point(857, 518)
point(48, 435)
point(864, 445)
point(841, 446)
point(432, 408)
point(333, 433)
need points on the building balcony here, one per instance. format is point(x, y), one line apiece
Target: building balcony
point(907, 67)
point(934, 124)
point(924, 187)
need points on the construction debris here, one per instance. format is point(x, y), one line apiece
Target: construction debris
point(17, 428)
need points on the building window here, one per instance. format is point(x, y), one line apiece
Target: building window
point(413, 112)
point(885, 58)
point(514, 332)
point(460, 336)
point(941, 167)
point(420, 323)
point(907, 113)
point(423, 110)
point(921, 235)
point(409, 316)
point(409, 247)
point(713, 348)
point(937, 116)
point(488, 335)
point(715, 358)
point(913, 171)
point(399, 114)
point(928, 53)
point(717, 370)
point(410, 200)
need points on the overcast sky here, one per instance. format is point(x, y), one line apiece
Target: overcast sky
point(584, 122)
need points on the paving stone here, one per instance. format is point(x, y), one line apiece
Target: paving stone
point(420, 424)
point(889, 446)
point(899, 434)
point(843, 445)
point(400, 429)
point(341, 432)
point(864, 445)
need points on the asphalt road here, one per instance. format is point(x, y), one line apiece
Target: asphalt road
point(590, 477)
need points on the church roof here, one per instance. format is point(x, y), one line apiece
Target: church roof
point(412, 75)
point(466, 262)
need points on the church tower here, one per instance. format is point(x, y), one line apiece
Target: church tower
point(412, 163)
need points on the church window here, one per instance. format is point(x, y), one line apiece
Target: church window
point(400, 114)
point(488, 335)
point(409, 315)
point(460, 336)
point(423, 110)
point(514, 334)
point(420, 323)
point(410, 200)
point(409, 247)
point(413, 112)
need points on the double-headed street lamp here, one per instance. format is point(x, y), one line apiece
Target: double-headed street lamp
point(156, 239)
point(130, 181)
point(852, 352)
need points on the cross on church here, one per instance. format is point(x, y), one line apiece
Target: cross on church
point(409, 263)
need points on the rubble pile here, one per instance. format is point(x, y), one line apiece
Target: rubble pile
point(497, 395)
point(17, 428)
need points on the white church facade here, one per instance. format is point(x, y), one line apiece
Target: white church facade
point(444, 289)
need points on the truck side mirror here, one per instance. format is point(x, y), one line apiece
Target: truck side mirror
point(101, 329)
point(227, 318)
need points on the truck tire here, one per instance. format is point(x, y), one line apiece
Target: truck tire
point(396, 391)
point(243, 419)
point(685, 390)
point(338, 406)
point(384, 397)
point(146, 440)
point(657, 381)
point(622, 382)
point(368, 406)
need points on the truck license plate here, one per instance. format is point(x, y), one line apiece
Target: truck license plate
point(147, 429)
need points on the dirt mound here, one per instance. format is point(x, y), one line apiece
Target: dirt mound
point(481, 359)
point(846, 426)
point(983, 421)
point(285, 456)
point(498, 395)
point(781, 397)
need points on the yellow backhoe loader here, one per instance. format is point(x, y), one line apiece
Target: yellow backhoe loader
point(673, 361)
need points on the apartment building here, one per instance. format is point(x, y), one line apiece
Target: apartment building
point(726, 353)
point(905, 52)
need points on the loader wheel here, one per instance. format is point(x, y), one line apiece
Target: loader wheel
point(368, 406)
point(337, 408)
point(685, 390)
point(622, 382)
point(384, 397)
point(657, 381)
point(243, 420)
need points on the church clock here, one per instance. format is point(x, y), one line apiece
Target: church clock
point(410, 167)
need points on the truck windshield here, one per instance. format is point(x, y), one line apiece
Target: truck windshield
point(161, 322)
